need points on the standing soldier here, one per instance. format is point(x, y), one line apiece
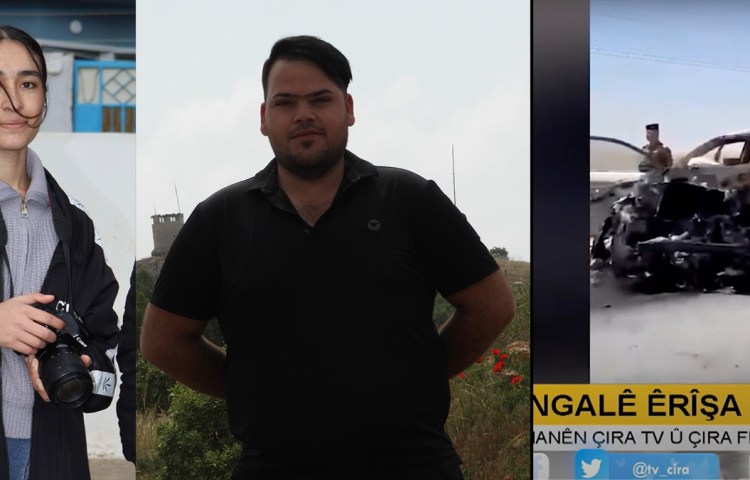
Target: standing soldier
point(659, 156)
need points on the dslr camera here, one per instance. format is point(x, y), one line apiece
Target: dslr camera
point(64, 376)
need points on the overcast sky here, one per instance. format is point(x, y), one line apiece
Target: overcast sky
point(427, 75)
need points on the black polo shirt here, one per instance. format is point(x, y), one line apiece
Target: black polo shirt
point(332, 356)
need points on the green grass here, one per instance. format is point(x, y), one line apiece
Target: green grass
point(489, 420)
point(146, 425)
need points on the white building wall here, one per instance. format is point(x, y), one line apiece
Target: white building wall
point(60, 95)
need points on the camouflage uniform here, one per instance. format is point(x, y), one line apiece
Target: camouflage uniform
point(659, 155)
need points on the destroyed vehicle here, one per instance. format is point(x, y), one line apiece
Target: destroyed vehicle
point(616, 166)
point(729, 149)
point(613, 173)
point(685, 228)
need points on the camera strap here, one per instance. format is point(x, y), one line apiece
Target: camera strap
point(63, 228)
point(62, 225)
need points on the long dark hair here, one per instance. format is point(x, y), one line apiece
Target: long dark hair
point(37, 56)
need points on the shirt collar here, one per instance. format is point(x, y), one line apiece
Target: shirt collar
point(37, 188)
point(355, 169)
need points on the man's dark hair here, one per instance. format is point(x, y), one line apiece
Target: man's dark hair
point(305, 47)
point(8, 32)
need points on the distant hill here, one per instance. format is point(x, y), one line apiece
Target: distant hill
point(516, 270)
point(152, 265)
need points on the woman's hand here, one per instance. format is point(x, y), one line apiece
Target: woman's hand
point(33, 365)
point(24, 328)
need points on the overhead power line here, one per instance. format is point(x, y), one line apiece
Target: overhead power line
point(618, 17)
point(668, 60)
point(75, 13)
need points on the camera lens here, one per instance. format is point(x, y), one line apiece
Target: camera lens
point(67, 381)
point(70, 391)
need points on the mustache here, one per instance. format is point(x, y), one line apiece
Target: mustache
point(307, 128)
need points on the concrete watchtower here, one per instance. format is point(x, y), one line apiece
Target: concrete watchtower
point(165, 229)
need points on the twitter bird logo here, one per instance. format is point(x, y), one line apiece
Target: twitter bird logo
point(591, 464)
point(591, 469)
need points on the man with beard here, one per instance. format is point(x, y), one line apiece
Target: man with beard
point(322, 271)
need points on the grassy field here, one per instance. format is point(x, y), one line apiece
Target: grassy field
point(489, 420)
point(146, 439)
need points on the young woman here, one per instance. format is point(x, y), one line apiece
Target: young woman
point(51, 269)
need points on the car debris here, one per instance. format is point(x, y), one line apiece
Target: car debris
point(684, 229)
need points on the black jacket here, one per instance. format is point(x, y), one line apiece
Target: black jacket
point(79, 276)
point(126, 362)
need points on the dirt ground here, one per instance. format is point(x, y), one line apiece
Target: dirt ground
point(668, 337)
point(111, 469)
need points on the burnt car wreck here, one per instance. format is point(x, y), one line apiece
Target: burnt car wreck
point(686, 228)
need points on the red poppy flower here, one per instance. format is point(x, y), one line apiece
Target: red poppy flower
point(462, 375)
point(479, 360)
point(498, 367)
point(495, 351)
point(503, 356)
point(516, 379)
